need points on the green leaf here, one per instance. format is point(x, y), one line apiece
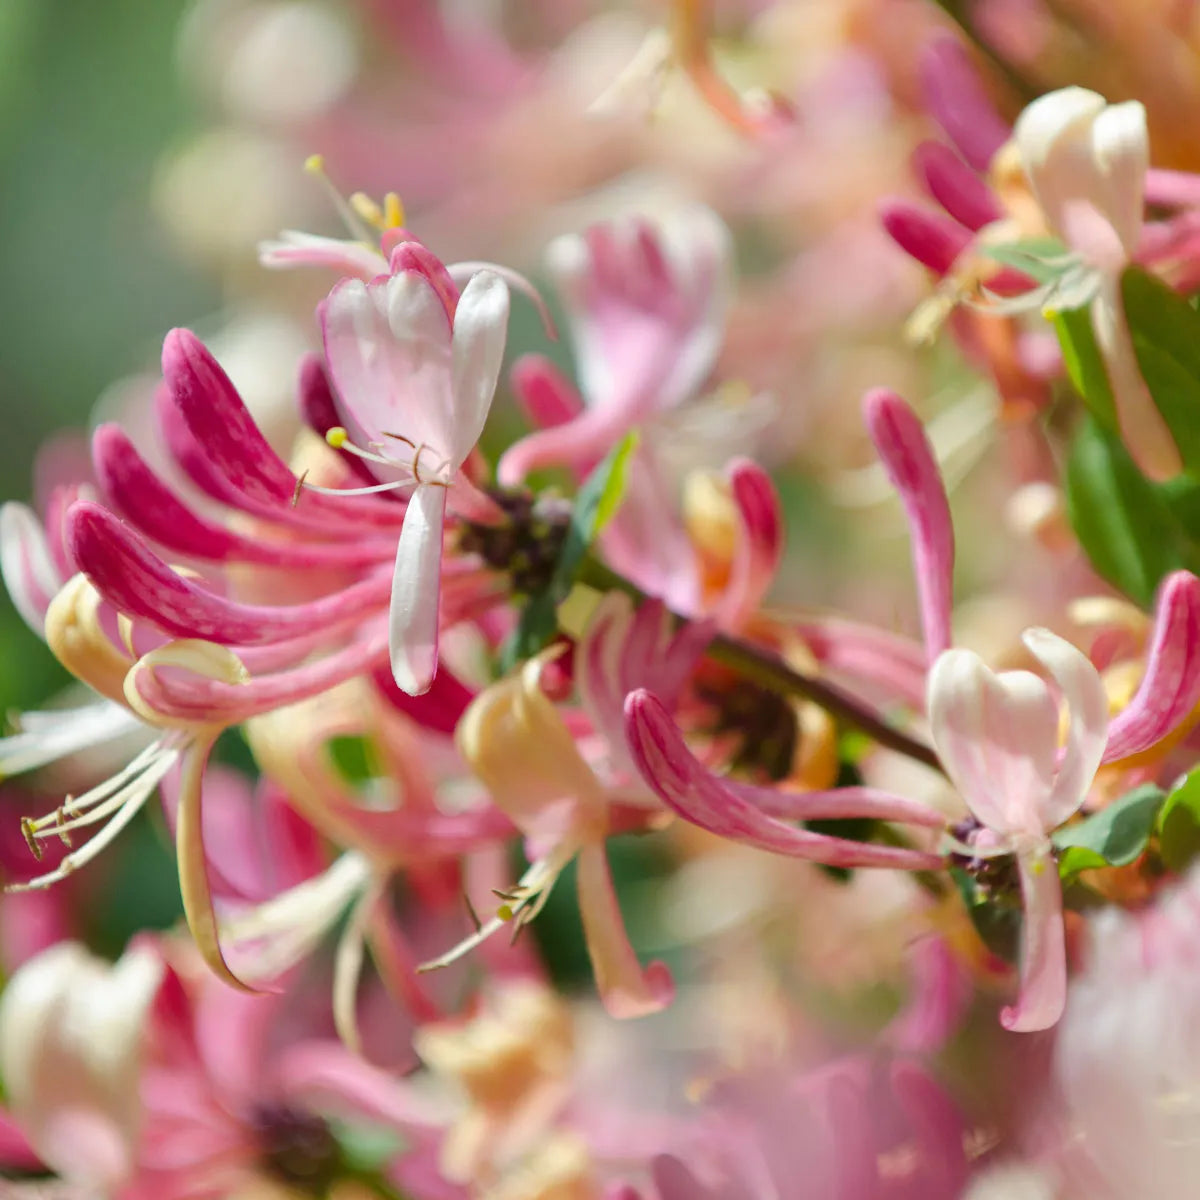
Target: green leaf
point(1122, 521)
point(1085, 365)
point(1113, 837)
point(998, 924)
point(1166, 339)
point(1179, 824)
point(354, 758)
point(1042, 259)
point(595, 505)
point(536, 628)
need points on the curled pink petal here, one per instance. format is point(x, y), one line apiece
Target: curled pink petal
point(837, 803)
point(545, 394)
point(956, 99)
point(137, 582)
point(941, 990)
point(1043, 992)
point(908, 458)
point(133, 489)
point(695, 794)
point(626, 990)
point(932, 239)
point(758, 547)
point(222, 426)
point(957, 188)
point(1170, 688)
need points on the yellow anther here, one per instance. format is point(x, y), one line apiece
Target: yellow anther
point(337, 437)
point(393, 212)
point(367, 209)
point(29, 832)
point(314, 164)
point(505, 912)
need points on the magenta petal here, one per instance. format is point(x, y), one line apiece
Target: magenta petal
point(545, 394)
point(142, 498)
point(759, 546)
point(695, 794)
point(837, 803)
point(955, 186)
point(908, 458)
point(932, 239)
point(137, 582)
point(955, 96)
point(416, 592)
point(1170, 689)
point(242, 466)
point(438, 709)
point(1043, 947)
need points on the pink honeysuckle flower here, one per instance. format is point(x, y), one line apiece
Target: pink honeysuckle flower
point(854, 1129)
point(646, 305)
point(415, 362)
point(997, 737)
point(1170, 687)
point(565, 800)
point(760, 816)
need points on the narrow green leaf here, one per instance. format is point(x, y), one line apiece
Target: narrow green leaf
point(1179, 824)
point(536, 628)
point(595, 505)
point(1085, 366)
point(1042, 259)
point(1166, 339)
point(1120, 518)
point(354, 758)
point(1115, 836)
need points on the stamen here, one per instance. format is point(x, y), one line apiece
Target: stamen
point(393, 212)
point(299, 487)
point(366, 208)
point(315, 166)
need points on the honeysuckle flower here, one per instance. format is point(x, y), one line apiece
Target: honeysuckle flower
point(71, 1040)
point(997, 737)
point(533, 766)
point(646, 304)
point(854, 1129)
point(415, 362)
point(1086, 161)
point(1125, 1063)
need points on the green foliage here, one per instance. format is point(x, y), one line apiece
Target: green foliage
point(1166, 339)
point(1113, 837)
point(1135, 531)
point(596, 504)
point(1042, 259)
point(1179, 824)
point(1125, 523)
point(997, 921)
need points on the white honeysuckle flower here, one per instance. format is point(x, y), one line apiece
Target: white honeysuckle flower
point(70, 1055)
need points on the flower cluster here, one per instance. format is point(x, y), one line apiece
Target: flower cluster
point(476, 677)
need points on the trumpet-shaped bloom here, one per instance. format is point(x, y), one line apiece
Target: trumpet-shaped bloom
point(1086, 161)
point(646, 305)
point(70, 1053)
point(997, 735)
point(415, 367)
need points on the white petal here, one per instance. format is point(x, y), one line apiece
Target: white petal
point(480, 332)
point(416, 591)
point(1121, 147)
point(29, 572)
point(997, 736)
point(1083, 690)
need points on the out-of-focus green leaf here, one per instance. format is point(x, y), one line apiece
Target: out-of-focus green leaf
point(1113, 837)
point(1120, 518)
point(1166, 339)
point(1179, 824)
point(1085, 366)
point(1042, 259)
